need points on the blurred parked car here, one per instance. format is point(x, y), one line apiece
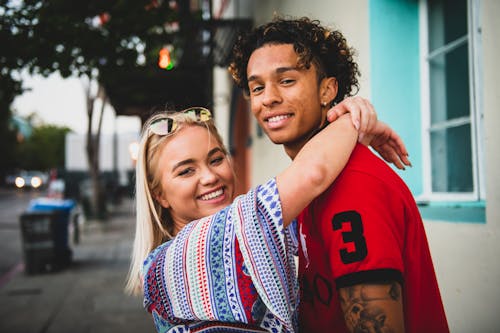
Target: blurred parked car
point(28, 179)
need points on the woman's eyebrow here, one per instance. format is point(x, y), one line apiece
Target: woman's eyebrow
point(191, 160)
point(181, 163)
point(214, 150)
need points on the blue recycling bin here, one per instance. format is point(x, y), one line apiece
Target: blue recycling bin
point(45, 229)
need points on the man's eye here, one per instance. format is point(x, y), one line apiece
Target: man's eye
point(287, 81)
point(256, 89)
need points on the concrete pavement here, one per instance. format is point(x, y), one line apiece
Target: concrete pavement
point(88, 295)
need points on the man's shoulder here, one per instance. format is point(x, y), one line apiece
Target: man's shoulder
point(366, 174)
point(364, 163)
point(364, 159)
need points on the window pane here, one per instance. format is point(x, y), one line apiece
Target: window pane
point(449, 76)
point(451, 155)
point(447, 21)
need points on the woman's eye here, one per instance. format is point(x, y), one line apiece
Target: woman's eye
point(217, 160)
point(185, 172)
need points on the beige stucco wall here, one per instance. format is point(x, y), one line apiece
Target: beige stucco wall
point(466, 255)
point(491, 98)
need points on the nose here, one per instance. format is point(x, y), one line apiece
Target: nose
point(271, 95)
point(208, 176)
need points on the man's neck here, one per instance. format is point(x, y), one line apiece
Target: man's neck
point(293, 149)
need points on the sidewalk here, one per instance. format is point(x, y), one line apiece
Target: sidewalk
point(85, 297)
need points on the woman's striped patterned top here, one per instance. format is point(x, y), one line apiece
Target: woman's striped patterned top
point(233, 271)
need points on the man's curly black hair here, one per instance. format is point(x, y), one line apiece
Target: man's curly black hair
point(327, 49)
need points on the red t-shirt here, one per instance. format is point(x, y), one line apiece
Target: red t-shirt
point(365, 228)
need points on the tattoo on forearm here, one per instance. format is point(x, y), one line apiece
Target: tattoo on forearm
point(395, 291)
point(365, 306)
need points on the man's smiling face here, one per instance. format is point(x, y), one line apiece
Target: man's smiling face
point(285, 98)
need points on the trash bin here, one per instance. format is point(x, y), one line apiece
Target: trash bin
point(44, 229)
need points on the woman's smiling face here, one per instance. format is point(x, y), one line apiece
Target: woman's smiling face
point(196, 176)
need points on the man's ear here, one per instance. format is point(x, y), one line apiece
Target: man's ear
point(328, 89)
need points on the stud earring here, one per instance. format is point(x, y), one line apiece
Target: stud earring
point(323, 104)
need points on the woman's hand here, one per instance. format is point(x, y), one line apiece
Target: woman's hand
point(388, 144)
point(377, 134)
point(363, 114)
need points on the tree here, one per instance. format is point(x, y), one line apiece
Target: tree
point(44, 149)
point(92, 39)
point(9, 89)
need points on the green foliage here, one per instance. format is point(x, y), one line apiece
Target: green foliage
point(44, 150)
point(8, 89)
point(115, 42)
point(7, 145)
point(73, 38)
point(79, 37)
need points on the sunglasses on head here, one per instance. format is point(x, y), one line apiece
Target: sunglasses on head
point(166, 125)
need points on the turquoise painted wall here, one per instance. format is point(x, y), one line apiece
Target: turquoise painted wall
point(395, 76)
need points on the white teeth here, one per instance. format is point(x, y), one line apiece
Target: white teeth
point(277, 118)
point(212, 195)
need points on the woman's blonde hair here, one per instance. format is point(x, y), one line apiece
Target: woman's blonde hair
point(154, 224)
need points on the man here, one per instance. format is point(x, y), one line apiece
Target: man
point(364, 262)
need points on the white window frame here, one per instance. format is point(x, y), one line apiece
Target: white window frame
point(476, 107)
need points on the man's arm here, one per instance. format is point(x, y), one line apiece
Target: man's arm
point(373, 307)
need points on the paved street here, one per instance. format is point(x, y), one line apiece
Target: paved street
point(85, 297)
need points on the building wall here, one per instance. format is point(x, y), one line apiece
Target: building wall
point(467, 254)
point(491, 97)
point(76, 155)
point(464, 254)
point(395, 80)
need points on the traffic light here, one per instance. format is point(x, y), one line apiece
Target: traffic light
point(164, 59)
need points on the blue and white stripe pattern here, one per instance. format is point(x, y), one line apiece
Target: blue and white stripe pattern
point(193, 279)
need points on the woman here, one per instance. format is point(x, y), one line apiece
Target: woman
point(234, 268)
